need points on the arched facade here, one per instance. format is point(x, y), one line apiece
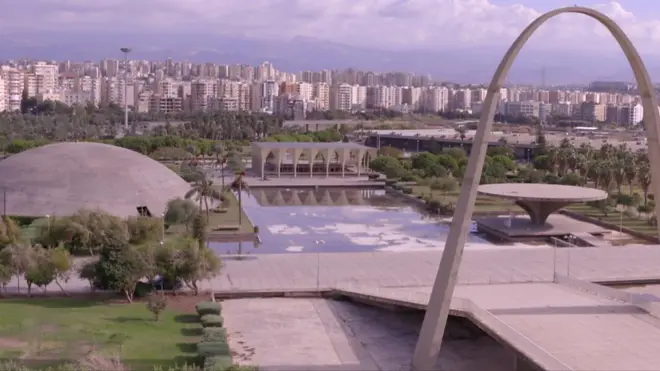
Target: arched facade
point(430, 338)
point(309, 159)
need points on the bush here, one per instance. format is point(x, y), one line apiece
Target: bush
point(407, 190)
point(143, 289)
point(391, 182)
point(373, 176)
point(212, 320)
point(211, 334)
point(156, 304)
point(218, 363)
point(208, 307)
point(213, 349)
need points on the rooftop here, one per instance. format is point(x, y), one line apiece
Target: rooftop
point(595, 140)
point(542, 192)
point(309, 145)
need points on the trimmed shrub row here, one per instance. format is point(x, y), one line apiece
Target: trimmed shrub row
point(213, 348)
point(208, 307)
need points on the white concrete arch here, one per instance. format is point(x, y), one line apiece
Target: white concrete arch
point(430, 338)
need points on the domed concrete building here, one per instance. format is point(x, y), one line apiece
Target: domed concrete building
point(62, 178)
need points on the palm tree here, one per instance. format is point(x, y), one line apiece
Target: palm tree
point(644, 178)
point(204, 192)
point(238, 186)
point(220, 160)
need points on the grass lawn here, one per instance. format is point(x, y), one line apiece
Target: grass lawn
point(46, 332)
point(638, 224)
point(230, 218)
point(483, 204)
point(226, 219)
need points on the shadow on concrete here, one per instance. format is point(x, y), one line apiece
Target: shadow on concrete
point(585, 309)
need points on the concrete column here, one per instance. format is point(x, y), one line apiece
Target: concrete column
point(360, 158)
point(312, 152)
point(327, 155)
point(296, 152)
point(435, 319)
point(262, 165)
point(344, 154)
point(279, 155)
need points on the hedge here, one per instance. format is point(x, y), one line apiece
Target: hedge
point(214, 334)
point(208, 307)
point(218, 363)
point(213, 348)
point(212, 320)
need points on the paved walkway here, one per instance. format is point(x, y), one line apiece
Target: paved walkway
point(582, 331)
point(403, 269)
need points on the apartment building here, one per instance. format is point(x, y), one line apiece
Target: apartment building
point(14, 82)
point(525, 108)
point(591, 111)
point(3, 100)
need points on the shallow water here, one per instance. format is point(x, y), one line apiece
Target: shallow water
point(346, 220)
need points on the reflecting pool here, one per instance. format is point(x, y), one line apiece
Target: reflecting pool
point(340, 220)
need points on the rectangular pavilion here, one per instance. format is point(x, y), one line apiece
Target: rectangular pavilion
point(311, 159)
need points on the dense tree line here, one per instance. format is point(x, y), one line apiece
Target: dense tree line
point(623, 173)
point(126, 251)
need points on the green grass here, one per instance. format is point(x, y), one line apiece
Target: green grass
point(638, 224)
point(227, 218)
point(483, 204)
point(46, 332)
point(230, 218)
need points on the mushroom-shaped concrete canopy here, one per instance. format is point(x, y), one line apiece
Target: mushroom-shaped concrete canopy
point(541, 200)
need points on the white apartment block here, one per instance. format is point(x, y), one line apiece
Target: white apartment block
point(435, 99)
point(3, 101)
point(636, 114)
point(342, 97)
point(321, 94)
point(49, 76)
point(14, 82)
point(200, 93)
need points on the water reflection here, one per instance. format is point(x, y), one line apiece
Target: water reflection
point(339, 220)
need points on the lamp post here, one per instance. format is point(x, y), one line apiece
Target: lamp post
point(162, 235)
point(126, 51)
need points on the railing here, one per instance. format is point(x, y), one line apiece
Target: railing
point(481, 264)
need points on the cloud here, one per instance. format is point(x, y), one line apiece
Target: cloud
point(380, 23)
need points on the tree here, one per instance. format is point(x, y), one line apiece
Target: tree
point(39, 269)
point(204, 193)
point(444, 185)
point(181, 212)
point(61, 264)
point(644, 178)
point(156, 304)
point(144, 229)
point(10, 232)
point(197, 264)
point(238, 186)
point(18, 259)
point(120, 267)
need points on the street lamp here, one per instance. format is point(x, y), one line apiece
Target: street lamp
point(162, 235)
point(126, 51)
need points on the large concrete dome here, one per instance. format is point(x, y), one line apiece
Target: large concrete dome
point(62, 178)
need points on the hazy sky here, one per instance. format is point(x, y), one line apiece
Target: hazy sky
point(395, 24)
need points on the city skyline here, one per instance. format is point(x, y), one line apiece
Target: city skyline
point(172, 87)
point(381, 37)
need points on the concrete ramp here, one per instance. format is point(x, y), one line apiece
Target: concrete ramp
point(591, 240)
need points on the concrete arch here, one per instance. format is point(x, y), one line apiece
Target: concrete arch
point(430, 338)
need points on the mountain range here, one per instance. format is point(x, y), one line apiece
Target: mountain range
point(460, 65)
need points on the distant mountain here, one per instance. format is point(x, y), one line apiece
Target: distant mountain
point(461, 65)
